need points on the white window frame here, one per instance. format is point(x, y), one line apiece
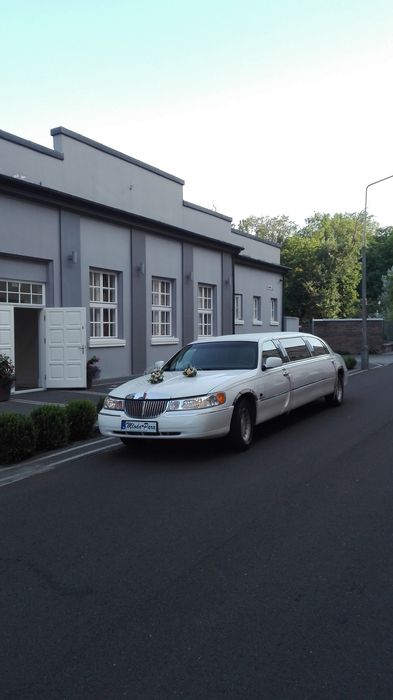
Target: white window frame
point(20, 293)
point(274, 311)
point(105, 310)
point(257, 311)
point(162, 311)
point(238, 309)
point(205, 310)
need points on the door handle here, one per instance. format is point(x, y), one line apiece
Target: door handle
point(82, 347)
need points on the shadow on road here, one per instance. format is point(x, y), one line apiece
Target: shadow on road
point(201, 453)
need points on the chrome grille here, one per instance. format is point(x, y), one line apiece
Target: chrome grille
point(145, 408)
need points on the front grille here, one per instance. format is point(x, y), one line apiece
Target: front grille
point(145, 408)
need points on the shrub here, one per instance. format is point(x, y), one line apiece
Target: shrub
point(17, 437)
point(350, 361)
point(51, 426)
point(81, 416)
point(100, 403)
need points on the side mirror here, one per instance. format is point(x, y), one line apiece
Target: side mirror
point(272, 362)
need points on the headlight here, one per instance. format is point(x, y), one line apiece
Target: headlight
point(196, 402)
point(113, 404)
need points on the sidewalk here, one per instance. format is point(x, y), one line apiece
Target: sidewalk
point(375, 361)
point(25, 401)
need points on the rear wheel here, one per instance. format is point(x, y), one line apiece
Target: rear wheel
point(337, 397)
point(242, 425)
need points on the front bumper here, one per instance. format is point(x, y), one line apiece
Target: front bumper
point(202, 424)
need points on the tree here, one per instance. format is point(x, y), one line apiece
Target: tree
point(387, 295)
point(273, 229)
point(325, 267)
point(379, 261)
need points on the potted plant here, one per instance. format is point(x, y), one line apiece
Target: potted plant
point(92, 370)
point(7, 377)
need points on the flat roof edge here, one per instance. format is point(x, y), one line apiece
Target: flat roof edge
point(211, 212)
point(6, 136)
point(112, 152)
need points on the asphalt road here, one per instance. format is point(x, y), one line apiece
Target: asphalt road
point(185, 571)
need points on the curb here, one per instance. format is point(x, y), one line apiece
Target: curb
point(10, 473)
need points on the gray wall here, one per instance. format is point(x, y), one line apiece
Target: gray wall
point(253, 282)
point(208, 270)
point(32, 231)
point(164, 259)
point(105, 246)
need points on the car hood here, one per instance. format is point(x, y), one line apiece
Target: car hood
point(176, 385)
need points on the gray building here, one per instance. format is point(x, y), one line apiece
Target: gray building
point(100, 255)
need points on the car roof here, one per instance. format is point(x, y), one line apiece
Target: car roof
point(255, 337)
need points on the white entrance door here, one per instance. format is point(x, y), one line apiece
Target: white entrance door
point(7, 331)
point(65, 336)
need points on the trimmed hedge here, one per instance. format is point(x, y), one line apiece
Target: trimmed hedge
point(81, 416)
point(46, 428)
point(51, 426)
point(17, 437)
point(100, 403)
point(350, 361)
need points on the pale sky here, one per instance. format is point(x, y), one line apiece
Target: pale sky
point(265, 107)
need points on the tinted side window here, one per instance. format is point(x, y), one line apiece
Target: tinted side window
point(295, 348)
point(318, 347)
point(269, 350)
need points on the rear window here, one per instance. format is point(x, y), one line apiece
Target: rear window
point(215, 356)
point(295, 348)
point(318, 347)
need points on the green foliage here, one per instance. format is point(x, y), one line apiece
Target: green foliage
point(100, 403)
point(81, 416)
point(379, 260)
point(387, 295)
point(7, 371)
point(51, 426)
point(350, 361)
point(324, 258)
point(17, 437)
point(273, 229)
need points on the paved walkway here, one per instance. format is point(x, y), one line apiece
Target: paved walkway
point(26, 401)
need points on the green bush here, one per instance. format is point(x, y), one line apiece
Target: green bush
point(81, 416)
point(51, 426)
point(100, 403)
point(350, 361)
point(17, 437)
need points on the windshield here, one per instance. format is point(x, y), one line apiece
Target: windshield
point(215, 356)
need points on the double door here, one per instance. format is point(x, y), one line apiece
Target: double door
point(47, 345)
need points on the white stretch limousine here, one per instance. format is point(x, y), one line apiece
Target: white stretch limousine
point(224, 386)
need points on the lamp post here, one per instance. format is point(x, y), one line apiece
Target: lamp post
point(365, 353)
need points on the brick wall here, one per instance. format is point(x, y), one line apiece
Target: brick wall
point(346, 335)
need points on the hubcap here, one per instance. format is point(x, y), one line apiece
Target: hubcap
point(245, 425)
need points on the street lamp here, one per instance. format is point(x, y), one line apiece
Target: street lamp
point(364, 356)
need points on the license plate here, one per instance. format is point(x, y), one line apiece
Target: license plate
point(139, 426)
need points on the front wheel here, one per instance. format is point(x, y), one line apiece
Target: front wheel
point(242, 426)
point(337, 397)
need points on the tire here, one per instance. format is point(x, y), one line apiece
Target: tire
point(242, 426)
point(337, 397)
